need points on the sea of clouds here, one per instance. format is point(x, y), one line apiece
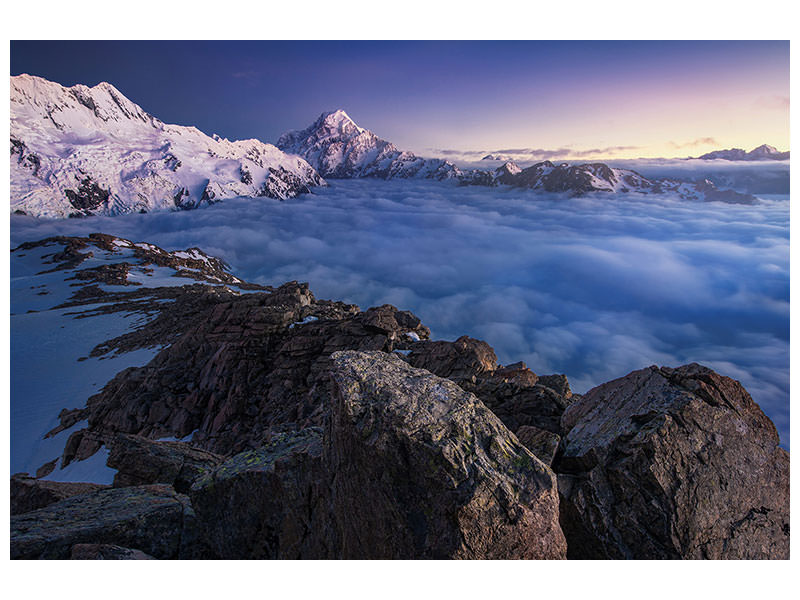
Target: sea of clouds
point(593, 287)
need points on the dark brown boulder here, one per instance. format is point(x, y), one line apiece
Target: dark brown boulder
point(673, 463)
point(154, 519)
point(422, 469)
point(267, 503)
point(462, 360)
point(28, 493)
point(141, 461)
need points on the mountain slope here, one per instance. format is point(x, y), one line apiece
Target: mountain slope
point(80, 150)
point(763, 152)
point(338, 148)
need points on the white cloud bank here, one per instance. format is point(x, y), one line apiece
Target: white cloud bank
point(592, 287)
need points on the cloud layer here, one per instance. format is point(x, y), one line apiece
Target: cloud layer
point(592, 287)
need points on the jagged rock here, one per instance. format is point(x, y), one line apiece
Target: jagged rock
point(106, 552)
point(89, 195)
point(672, 463)
point(154, 519)
point(541, 442)
point(141, 461)
point(28, 493)
point(422, 469)
point(462, 360)
point(267, 503)
point(242, 369)
point(514, 393)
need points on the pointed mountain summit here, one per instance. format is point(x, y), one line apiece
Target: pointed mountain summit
point(763, 152)
point(338, 148)
point(80, 150)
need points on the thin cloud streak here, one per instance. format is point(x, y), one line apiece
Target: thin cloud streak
point(704, 141)
point(527, 154)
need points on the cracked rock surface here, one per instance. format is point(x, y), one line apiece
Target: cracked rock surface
point(673, 463)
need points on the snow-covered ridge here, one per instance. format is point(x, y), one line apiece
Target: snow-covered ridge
point(87, 150)
point(76, 306)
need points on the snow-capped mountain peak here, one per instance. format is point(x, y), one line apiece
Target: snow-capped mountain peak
point(339, 120)
point(85, 150)
point(337, 147)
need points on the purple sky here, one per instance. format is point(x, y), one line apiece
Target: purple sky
point(589, 99)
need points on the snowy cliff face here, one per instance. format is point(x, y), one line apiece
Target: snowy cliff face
point(78, 151)
point(338, 148)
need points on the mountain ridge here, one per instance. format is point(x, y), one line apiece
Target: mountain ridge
point(82, 150)
point(338, 148)
point(762, 152)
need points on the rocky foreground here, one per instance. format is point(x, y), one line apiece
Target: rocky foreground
point(316, 430)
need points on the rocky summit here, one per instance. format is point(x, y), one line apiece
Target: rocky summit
point(266, 423)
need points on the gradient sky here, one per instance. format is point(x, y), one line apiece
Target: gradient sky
point(569, 99)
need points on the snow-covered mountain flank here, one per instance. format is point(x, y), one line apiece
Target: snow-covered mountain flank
point(79, 150)
point(763, 152)
point(338, 148)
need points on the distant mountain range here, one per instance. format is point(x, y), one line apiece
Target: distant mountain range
point(338, 148)
point(79, 150)
point(763, 152)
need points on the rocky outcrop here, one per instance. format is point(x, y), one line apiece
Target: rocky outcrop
point(322, 431)
point(672, 463)
point(424, 470)
point(243, 369)
point(153, 519)
point(140, 461)
point(29, 493)
point(514, 393)
point(268, 503)
point(408, 466)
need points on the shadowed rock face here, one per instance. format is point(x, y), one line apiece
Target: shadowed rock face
point(424, 470)
point(140, 461)
point(268, 503)
point(153, 519)
point(672, 463)
point(28, 493)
